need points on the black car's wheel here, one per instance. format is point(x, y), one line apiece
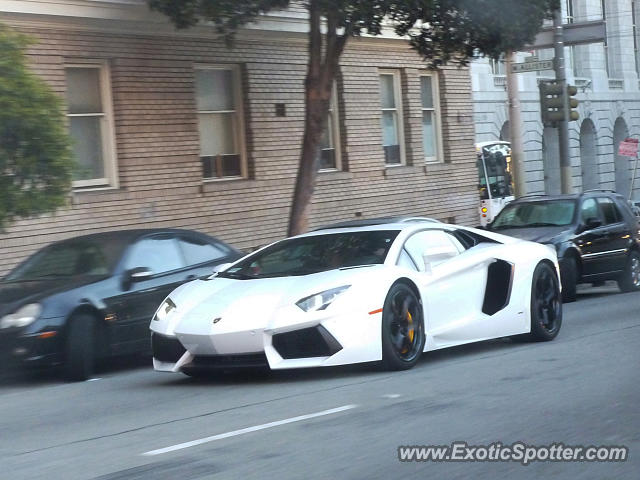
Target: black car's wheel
point(546, 304)
point(79, 348)
point(630, 279)
point(402, 328)
point(569, 278)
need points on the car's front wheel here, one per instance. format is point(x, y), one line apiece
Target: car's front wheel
point(546, 304)
point(403, 334)
point(630, 279)
point(79, 348)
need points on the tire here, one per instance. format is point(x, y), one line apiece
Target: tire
point(403, 334)
point(569, 277)
point(79, 348)
point(546, 304)
point(630, 279)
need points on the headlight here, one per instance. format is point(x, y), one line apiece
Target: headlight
point(22, 317)
point(321, 300)
point(165, 309)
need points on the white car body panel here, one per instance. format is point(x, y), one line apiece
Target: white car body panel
point(222, 316)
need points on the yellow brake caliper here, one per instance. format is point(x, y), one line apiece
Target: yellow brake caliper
point(411, 331)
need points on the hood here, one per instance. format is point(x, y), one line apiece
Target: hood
point(251, 303)
point(15, 294)
point(534, 234)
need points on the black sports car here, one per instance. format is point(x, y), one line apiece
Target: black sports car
point(92, 297)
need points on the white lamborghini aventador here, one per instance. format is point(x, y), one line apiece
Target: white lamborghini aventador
point(375, 293)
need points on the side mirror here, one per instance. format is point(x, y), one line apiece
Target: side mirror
point(221, 268)
point(139, 274)
point(437, 255)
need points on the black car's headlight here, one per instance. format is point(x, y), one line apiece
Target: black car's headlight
point(320, 301)
point(165, 309)
point(22, 317)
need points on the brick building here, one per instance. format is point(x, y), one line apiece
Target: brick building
point(176, 129)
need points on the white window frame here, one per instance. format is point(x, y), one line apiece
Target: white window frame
point(435, 89)
point(334, 130)
point(397, 96)
point(107, 126)
point(238, 118)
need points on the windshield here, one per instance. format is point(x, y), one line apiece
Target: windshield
point(313, 254)
point(68, 259)
point(536, 214)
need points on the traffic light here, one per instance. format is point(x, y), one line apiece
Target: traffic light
point(573, 103)
point(552, 102)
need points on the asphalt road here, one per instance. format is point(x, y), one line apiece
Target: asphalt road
point(581, 389)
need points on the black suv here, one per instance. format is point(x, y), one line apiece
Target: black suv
point(595, 234)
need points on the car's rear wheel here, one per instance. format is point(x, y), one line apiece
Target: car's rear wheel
point(402, 328)
point(79, 348)
point(630, 279)
point(546, 304)
point(569, 278)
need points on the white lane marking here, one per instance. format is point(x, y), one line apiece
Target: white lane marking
point(242, 431)
point(391, 395)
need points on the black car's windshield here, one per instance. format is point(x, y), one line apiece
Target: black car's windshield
point(551, 213)
point(68, 259)
point(313, 254)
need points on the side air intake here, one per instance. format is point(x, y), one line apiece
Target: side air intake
point(498, 290)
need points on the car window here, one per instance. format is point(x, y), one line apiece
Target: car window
point(548, 213)
point(315, 253)
point(65, 260)
point(420, 243)
point(197, 251)
point(609, 210)
point(589, 210)
point(157, 254)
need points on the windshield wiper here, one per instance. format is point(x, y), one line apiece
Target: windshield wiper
point(541, 224)
point(235, 275)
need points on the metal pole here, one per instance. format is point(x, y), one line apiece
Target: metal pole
point(515, 126)
point(633, 178)
point(563, 125)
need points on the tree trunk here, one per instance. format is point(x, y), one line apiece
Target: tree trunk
point(318, 85)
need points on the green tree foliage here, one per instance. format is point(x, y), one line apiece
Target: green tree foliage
point(440, 30)
point(35, 156)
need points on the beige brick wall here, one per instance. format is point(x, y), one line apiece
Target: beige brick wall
point(157, 140)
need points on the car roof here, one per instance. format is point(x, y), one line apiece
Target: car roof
point(364, 222)
point(128, 236)
point(379, 227)
point(568, 196)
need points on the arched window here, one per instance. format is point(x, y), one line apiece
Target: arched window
point(622, 164)
point(588, 156)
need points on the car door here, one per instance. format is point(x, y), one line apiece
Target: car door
point(592, 242)
point(138, 299)
point(617, 233)
point(452, 285)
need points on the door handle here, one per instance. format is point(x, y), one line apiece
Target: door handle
point(190, 277)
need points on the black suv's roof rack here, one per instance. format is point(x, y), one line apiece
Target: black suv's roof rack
point(608, 190)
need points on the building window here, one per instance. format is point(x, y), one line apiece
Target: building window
point(220, 122)
point(90, 120)
point(431, 133)
point(392, 125)
point(570, 18)
point(498, 66)
point(329, 154)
